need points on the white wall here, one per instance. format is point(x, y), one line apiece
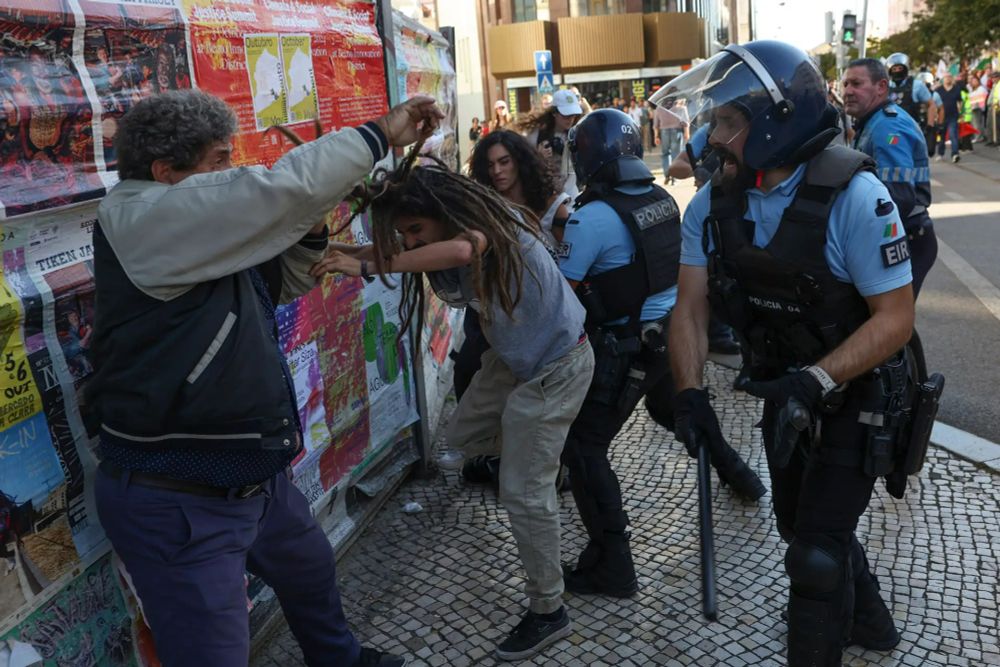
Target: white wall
point(468, 65)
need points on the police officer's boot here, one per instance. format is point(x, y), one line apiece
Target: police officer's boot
point(613, 574)
point(814, 633)
point(734, 471)
point(873, 626)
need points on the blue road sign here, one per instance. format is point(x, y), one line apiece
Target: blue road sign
point(545, 84)
point(543, 62)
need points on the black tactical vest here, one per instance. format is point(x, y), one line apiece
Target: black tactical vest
point(654, 223)
point(903, 97)
point(784, 299)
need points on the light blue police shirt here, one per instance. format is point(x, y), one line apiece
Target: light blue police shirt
point(596, 240)
point(919, 92)
point(862, 236)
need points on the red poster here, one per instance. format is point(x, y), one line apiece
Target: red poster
point(278, 62)
point(131, 52)
point(46, 139)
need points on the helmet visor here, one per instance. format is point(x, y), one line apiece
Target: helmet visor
point(723, 92)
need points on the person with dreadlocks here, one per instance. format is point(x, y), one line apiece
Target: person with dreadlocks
point(508, 163)
point(481, 251)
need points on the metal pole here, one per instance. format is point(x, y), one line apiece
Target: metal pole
point(863, 46)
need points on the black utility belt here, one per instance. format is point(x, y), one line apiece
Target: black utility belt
point(181, 485)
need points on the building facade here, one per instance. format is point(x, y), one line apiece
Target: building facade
point(902, 13)
point(606, 48)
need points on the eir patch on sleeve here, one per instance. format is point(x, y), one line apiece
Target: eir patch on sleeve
point(896, 252)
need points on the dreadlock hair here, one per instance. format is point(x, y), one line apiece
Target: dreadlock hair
point(433, 191)
point(533, 171)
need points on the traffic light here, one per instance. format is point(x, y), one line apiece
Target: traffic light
point(849, 29)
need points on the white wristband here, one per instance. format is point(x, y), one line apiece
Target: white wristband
point(824, 379)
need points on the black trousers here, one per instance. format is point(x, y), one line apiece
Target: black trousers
point(923, 253)
point(595, 485)
point(819, 502)
point(468, 359)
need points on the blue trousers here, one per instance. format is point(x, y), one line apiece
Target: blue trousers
point(949, 129)
point(187, 556)
point(671, 144)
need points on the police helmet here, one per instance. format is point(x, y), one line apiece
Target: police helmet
point(606, 147)
point(898, 65)
point(777, 90)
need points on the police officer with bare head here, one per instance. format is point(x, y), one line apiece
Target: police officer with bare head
point(793, 244)
point(893, 139)
point(620, 251)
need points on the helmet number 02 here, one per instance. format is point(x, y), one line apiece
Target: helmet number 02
point(627, 129)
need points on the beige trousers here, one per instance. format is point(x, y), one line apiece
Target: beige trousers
point(526, 424)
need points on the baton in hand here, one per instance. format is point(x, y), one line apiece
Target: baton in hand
point(707, 538)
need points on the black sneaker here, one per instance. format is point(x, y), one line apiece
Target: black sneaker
point(482, 470)
point(533, 634)
point(371, 657)
point(955, 158)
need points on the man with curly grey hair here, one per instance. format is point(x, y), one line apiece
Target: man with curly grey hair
point(194, 402)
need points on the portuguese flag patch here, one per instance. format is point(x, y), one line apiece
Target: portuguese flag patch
point(890, 231)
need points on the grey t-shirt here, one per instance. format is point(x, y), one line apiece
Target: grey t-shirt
point(547, 321)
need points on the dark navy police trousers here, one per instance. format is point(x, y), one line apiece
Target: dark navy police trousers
point(187, 555)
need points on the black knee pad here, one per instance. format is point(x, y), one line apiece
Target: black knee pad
point(812, 569)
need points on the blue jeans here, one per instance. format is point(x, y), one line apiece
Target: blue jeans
point(670, 147)
point(187, 555)
point(950, 128)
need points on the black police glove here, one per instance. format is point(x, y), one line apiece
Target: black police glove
point(695, 421)
point(796, 396)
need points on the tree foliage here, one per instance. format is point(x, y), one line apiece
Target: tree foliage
point(960, 29)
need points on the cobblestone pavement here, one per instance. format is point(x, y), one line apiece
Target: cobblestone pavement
point(443, 586)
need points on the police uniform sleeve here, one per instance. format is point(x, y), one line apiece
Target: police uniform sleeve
point(580, 245)
point(893, 149)
point(866, 243)
point(693, 227)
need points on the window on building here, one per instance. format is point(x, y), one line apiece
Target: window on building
point(525, 10)
point(596, 7)
point(650, 6)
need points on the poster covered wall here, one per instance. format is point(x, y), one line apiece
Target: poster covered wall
point(69, 71)
point(425, 66)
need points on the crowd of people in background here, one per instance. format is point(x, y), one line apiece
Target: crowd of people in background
point(966, 105)
point(961, 110)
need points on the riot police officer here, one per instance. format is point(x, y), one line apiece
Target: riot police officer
point(910, 94)
point(794, 244)
point(620, 252)
point(892, 138)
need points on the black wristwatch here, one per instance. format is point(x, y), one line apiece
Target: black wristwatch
point(364, 272)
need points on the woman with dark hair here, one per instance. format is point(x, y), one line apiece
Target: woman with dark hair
point(547, 130)
point(479, 251)
point(506, 162)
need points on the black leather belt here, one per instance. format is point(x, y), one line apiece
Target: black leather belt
point(181, 485)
